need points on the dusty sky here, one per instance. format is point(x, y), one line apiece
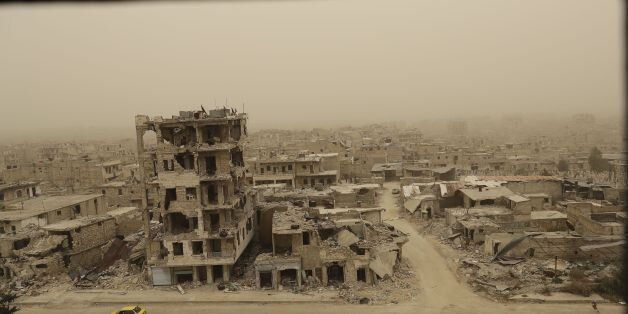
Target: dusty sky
point(307, 63)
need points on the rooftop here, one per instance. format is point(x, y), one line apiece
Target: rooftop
point(41, 205)
point(479, 211)
point(478, 222)
point(350, 188)
point(486, 193)
point(519, 178)
point(389, 166)
point(121, 211)
point(517, 198)
point(67, 225)
point(547, 214)
point(16, 184)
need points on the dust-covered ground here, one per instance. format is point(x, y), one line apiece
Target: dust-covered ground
point(432, 287)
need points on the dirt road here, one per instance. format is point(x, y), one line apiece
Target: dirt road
point(440, 291)
point(439, 288)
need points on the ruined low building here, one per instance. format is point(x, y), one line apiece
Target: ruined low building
point(474, 230)
point(328, 247)
point(301, 198)
point(538, 201)
point(44, 210)
point(109, 170)
point(483, 195)
point(76, 246)
point(122, 194)
point(428, 174)
point(86, 237)
point(520, 206)
point(11, 242)
point(550, 185)
point(546, 245)
point(128, 220)
point(424, 206)
point(588, 218)
point(548, 220)
point(17, 192)
point(388, 171)
point(496, 213)
point(355, 195)
point(445, 192)
point(370, 214)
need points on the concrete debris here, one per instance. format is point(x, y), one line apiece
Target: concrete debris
point(180, 289)
point(383, 263)
point(346, 238)
point(502, 275)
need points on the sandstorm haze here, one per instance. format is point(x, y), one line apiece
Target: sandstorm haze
point(308, 156)
point(304, 64)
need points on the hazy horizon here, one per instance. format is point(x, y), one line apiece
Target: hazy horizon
point(303, 64)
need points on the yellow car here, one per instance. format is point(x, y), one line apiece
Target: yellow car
point(131, 309)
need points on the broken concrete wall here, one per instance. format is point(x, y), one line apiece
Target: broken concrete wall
point(122, 196)
point(580, 218)
point(545, 246)
point(345, 199)
point(129, 222)
point(372, 216)
point(85, 259)
point(6, 247)
point(429, 208)
point(549, 225)
point(614, 195)
point(93, 235)
point(265, 227)
point(536, 203)
point(383, 263)
point(311, 257)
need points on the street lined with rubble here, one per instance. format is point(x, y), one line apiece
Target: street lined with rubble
point(439, 291)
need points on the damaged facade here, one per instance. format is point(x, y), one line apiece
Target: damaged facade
point(197, 170)
point(300, 171)
point(75, 246)
point(328, 247)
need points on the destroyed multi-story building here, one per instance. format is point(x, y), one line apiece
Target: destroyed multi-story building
point(326, 246)
point(197, 169)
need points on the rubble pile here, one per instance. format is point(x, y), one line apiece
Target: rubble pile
point(391, 289)
point(244, 269)
point(42, 265)
point(29, 287)
point(504, 279)
point(121, 276)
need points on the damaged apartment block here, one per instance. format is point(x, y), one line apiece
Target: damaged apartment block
point(207, 213)
point(326, 246)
